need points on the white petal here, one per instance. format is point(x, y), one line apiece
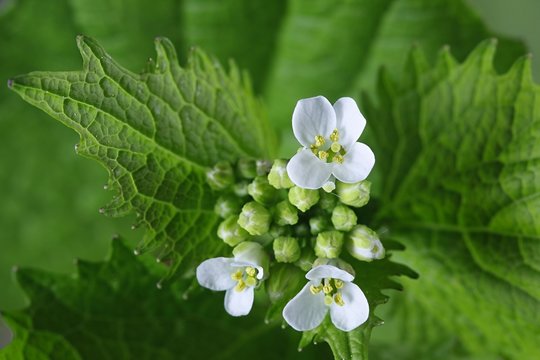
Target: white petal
point(239, 303)
point(249, 253)
point(357, 164)
point(328, 271)
point(312, 117)
point(308, 171)
point(349, 120)
point(354, 312)
point(215, 274)
point(306, 310)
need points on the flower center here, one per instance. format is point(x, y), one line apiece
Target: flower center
point(334, 153)
point(331, 289)
point(246, 277)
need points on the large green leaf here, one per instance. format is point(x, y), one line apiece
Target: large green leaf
point(113, 310)
point(458, 145)
point(156, 133)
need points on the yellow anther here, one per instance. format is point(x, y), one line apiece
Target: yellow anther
point(338, 283)
point(338, 159)
point(327, 289)
point(251, 281)
point(319, 140)
point(323, 155)
point(335, 147)
point(240, 286)
point(237, 276)
point(314, 149)
point(251, 271)
point(315, 289)
point(334, 136)
point(338, 299)
point(328, 300)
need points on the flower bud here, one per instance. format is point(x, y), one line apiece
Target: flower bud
point(247, 168)
point(328, 201)
point(286, 214)
point(303, 199)
point(240, 189)
point(286, 249)
point(230, 232)
point(227, 205)
point(307, 258)
point(356, 195)
point(254, 253)
point(263, 167)
point(220, 176)
point(328, 244)
point(285, 282)
point(261, 191)
point(339, 263)
point(278, 176)
point(364, 244)
point(301, 230)
point(318, 224)
point(343, 218)
point(254, 218)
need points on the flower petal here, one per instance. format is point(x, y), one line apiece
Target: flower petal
point(312, 117)
point(306, 310)
point(308, 171)
point(354, 312)
point(328, 271)
point(349, 121)
point(215, 274)
point(357, 164)
point(239, 303)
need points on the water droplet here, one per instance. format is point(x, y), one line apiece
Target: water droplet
point(134, 226)
point(185, 296)
point(299, 349)
point(76, 147)
point(10, 83)
point(136, 252)
point(158, 260)
point(159, 285)
point(102, 210)
point(105, 187)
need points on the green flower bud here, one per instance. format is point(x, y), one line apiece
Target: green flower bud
point(227, 205)
point(303, 199)
point(261, 191)
point(328, 201)
point(301, 230)
point(286, 249)
point(356, 195)
point(285, 282)
point(278, 176)
point(220, 176)
point(254, 253)
point(318, 224)
point(306, 260)
point(364, 244)
point(247, 168)
point(339, 263)
point(254, 218)
point(263, 167)
point(286, 214)
point(328, 244)
point(240, 189)
point(230, 232)
point(343, 218)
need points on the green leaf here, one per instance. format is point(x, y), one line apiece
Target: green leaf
point(113, 310)
point(156, 134)
point(459, 147)
point(333, 48)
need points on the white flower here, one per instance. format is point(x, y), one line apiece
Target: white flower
point(328, 135)
point(328, 289)
point(237, 276)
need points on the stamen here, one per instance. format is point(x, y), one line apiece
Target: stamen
point(338, 159)
point(323, 155)
point(338, 283)
point(327, 288)
point(335, 147)
point(241, 286)
point(314, 149)
point(328, 300)
point(237, 276)
point(334, 136)
point(319, 140)
point(338, 299)
point(315, 289)
point(251, 281)
point(251, 271)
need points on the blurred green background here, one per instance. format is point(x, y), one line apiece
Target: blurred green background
point(50, 196)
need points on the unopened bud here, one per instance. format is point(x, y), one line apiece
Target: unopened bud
point(247, 168)
point(303, 199)
point(254, 218)
point(286, 214)
point(328, 201)
point(364, 244)
point(263, 167)
point(328, 244)
point(240, 189)
point(278, 176)
point(356, 195)
point(343, 218)
point(286, 249)
point(318, 224)
point(227, 205)
point(306, 259)
point(220, 176)
point(230, 232)
point(261, 191)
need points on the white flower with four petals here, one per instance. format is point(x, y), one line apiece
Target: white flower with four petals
point(237, 276)
point(329, 136)
point(329, 290)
